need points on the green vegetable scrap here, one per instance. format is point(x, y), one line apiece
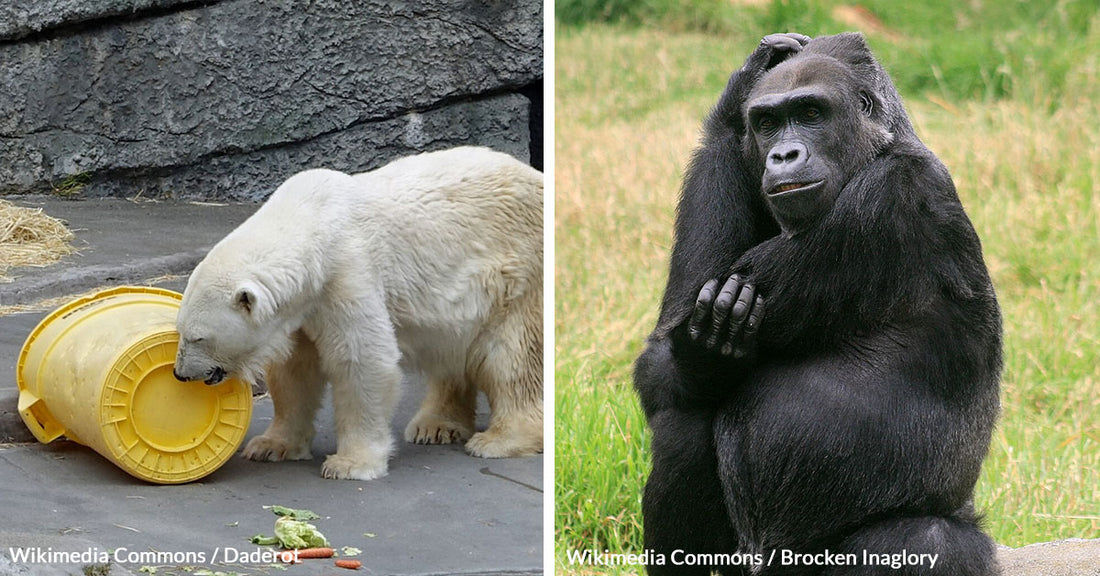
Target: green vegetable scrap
point(291, 530)
point(293, 513)
point(292, 535)
point(263, 540)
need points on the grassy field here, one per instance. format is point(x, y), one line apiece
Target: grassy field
point(1025, 155)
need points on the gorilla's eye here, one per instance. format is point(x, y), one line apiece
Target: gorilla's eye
point(766, 123)
point(811, 114)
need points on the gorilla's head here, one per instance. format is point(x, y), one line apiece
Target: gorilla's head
point(815, 121)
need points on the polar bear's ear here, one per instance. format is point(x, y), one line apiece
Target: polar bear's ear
point(252, 298)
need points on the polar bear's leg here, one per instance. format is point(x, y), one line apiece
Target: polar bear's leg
point(360, 356)
point(509, 356)
point(447, 413)
point(295, 386)
point(364, 398)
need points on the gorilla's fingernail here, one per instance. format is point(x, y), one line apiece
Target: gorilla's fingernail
point(693, 334)
point(726, 349)
point(739, 353)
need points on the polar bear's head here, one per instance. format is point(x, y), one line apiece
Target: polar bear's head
point(227, 326)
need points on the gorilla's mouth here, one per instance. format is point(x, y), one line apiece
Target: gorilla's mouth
point(796, 187)
point(215, 376)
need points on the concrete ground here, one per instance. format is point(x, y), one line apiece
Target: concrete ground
point(439, 511)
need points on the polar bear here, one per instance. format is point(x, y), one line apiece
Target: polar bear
point(431, 263)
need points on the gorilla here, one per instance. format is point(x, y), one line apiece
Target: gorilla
point(823, 377)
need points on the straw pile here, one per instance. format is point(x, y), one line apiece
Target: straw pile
point(30, 238)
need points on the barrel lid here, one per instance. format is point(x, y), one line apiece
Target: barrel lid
point(166, 431)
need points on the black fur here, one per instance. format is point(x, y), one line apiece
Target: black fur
point(856, 414)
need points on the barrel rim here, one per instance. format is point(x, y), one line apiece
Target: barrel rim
point(76, 303)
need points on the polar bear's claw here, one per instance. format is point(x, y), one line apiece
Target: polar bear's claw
point(436, 430)
point(269, 449)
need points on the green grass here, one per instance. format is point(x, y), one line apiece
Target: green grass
point(71, 186)
point(682, 14)
point(958, 49)
point(1027, 166)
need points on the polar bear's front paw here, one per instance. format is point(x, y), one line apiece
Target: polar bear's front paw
point(432, 429)
point(266, 448)
point(495, 444)
point(337, 467)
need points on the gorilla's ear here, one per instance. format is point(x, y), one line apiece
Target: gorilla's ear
point(866, 102)
point(254, 300)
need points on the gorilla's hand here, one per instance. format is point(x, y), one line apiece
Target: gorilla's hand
point(727, 320)
point(773, 49)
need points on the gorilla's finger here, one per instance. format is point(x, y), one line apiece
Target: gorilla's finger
point(783, 42)
point(755, 317)
point(776, 48)
point(744, 303)
point(741, 309)
point(748, 342)
point(702, 309)
point(802, 39)
point(773, 49)
point(721, 311)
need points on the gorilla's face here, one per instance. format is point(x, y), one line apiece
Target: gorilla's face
point(811, 128)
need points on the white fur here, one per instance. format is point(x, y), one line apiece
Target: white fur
point(432, 262)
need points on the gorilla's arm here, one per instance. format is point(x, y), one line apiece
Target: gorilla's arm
point(720, 215)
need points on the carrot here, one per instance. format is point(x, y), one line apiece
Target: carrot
point(304, 553)
point(349, 564)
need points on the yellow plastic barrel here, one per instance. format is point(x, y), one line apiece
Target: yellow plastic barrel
point(99, 371)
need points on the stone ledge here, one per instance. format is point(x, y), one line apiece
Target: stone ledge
point(1073, 557)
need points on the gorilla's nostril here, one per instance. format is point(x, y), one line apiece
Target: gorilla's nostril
point(787, 153)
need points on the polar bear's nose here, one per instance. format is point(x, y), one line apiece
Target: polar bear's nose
point(177, 375)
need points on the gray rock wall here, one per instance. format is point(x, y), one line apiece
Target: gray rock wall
point(226, 99)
